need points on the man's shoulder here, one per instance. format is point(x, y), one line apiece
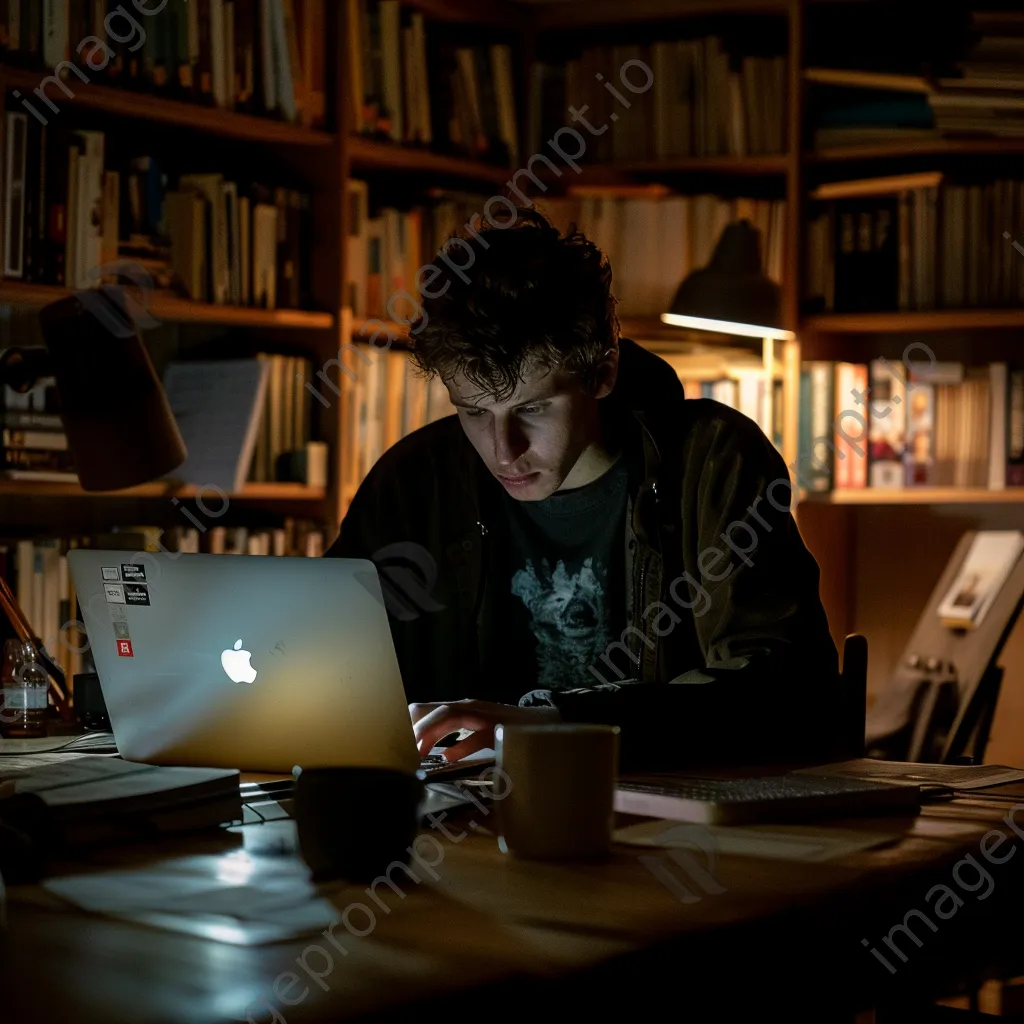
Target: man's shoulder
point(716, 441)
point(709, 422)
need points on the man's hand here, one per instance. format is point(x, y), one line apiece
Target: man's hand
point(432, 722)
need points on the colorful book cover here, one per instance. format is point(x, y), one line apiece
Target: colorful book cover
point(919, 456)
point(887, 425)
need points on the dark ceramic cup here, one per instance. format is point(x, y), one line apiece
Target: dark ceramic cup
point(353, 822)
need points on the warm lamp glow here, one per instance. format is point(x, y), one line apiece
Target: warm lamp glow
point(702, 323)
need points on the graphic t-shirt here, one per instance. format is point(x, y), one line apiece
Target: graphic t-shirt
point(564, 597)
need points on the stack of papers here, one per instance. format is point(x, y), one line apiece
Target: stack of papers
point(87, 743)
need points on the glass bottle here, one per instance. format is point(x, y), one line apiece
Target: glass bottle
point(25, 690)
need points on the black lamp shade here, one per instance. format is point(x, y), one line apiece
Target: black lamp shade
point(732, 288)
point(120, 428)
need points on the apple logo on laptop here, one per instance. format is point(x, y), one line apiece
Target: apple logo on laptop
point(236, 664)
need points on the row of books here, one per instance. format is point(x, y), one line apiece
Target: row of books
point(456, 98)
point(669, 98)
point(946, 426)
point(245, 419)
point(386, 250)
point(914, 242)
point(978, 96)
point(388, 398)
point(383, 254)
point(35, 446)
point(985, 99)
point(285, 421)
point(236, 425)
point(263, 57)
point(36, 569)
point(653, 244)
point(67, 216)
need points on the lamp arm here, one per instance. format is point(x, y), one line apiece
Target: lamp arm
point(11, 608)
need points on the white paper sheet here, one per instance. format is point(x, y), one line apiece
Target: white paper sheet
point(236, 898)
point(769, 842)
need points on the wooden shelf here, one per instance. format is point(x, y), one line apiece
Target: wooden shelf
point(367, 154)
point(176, 310)
point(637, 328)
point(868, 80)
point(919, 496)
point(917, 147)
point(609, 12)
point(628, 174)
point(144, 106)
point(398, 332)
point(251, 492)
point(901, 323)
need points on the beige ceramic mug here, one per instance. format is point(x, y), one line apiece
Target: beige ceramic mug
point(561, 789)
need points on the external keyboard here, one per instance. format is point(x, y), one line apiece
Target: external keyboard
point(771, 798)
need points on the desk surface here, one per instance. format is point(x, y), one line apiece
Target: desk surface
point(490, 927)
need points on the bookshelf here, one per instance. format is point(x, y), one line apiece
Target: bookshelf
point(915, 149)
point(324, 159)
point(367, 155)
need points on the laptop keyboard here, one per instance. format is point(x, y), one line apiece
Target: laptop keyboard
point(435, 765)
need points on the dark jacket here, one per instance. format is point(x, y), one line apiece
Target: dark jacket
point(736, 662)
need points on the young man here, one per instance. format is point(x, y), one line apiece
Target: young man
point(605, 551)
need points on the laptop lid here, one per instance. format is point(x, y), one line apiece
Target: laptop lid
point(244, 661)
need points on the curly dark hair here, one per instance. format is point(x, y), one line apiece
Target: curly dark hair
point(533, 297)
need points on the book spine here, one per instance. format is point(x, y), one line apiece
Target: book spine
point(886, 426)
point(1015, 430)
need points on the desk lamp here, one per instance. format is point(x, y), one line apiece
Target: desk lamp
point(733, 295)
point(119, 425)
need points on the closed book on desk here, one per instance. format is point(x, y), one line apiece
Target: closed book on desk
point(98, 799)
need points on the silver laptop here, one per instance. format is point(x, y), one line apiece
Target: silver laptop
point(245, 662)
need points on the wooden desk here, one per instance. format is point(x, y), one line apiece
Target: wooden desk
point(497, 937)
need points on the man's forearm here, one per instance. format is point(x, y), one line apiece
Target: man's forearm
point(711, 716)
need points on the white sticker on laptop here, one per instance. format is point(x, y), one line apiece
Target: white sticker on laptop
point(110, 572)
point(136, 593)
point(114, 593)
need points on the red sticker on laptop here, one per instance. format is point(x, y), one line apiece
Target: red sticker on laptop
point(124, 649)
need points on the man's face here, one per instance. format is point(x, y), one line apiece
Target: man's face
point(532, 440)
